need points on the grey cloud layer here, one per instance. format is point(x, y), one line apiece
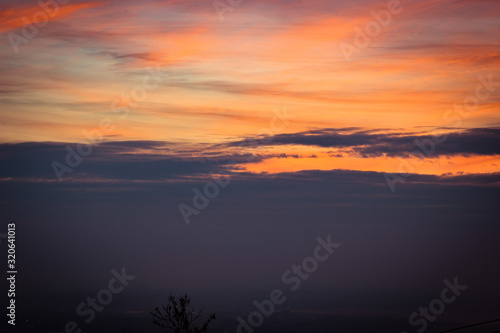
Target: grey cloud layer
point(476, 141)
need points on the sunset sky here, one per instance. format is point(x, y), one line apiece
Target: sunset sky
point(345, 117)
point(217, 79)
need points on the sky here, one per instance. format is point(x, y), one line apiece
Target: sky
point(206, 145)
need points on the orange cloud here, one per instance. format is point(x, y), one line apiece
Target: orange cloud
point(13, 18)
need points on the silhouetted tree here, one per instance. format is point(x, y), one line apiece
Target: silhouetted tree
point(178, 317)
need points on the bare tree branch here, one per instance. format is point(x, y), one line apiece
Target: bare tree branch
point(178, 317)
